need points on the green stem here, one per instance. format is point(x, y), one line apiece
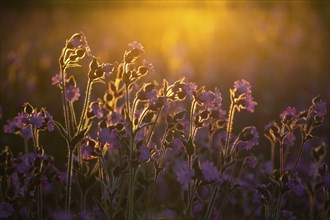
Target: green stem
point(272, 155)
point(85, 106)
point(131, 194)
point(223, 205)
point(153, 127)
point(64, 102)
point(281, 157)
point(211, 204)
point(229, 127)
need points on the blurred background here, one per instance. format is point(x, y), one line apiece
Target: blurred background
point(282, 48)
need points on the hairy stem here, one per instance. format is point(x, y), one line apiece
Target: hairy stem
point(69, 180)
point(299, 155)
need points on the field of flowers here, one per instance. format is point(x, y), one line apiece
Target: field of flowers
point(85, 135)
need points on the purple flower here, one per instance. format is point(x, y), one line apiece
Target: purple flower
point(251, 161)
point(189, 88)
point(72, 93)
point(56, 80)
point(184, 175)
point(50, 122)
point(320, 108)
point(242, 87)
point(177, 145)
point(287, 215)
point(210, 172)
point(144, 153)
point(289, 114)
point(296, 185)
point(148, 65)
point(36, 119)
point(207, 98)
point(6, 210)
point(135, 45)
point(97, 109)
point(88, 149)
point(249, 103)
point(109, 138)
point(289, 140)
point(261, 193)
point(248, 138)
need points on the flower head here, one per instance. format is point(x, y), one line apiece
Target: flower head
point(289, 114)
point(144, 153)
point(184, 175)
point(242, 87)
point(251, 161)
point(296, 185)
point(248, 138)
point(320, 108)
point(72, 93)
point(210, 172)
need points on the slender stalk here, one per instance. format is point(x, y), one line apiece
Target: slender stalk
point(272, 155)
point(278, 207)
point(131, 194)
point(299, 155)
point(211, 204)
point(281, 157)
point(152, 195)
point(85, 106)
point(229, 125)
point(127, 100)
point(26, 146)
point(64, 102)
point(153, 127)
point(69, 180)
point(228, 192)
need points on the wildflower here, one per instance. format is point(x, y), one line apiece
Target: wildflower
point(287, 215)
point(36, 119)
point(242, 87)
point(148, 65)
point(248, 138)
point(56, 80)
point(189, 88)
point(72, 93)
point(249, 104)
point(289, 114)
point(251, 161)
point(135, 45)
point(296, 185)
point(261, 193)
point(289, 140)
point(6, 210)
point(177, 145)
point(207, 98)
point(89, 149)
point(210, 172)
point(184, 175)
point(96, 109)
point(272, 131)
point(144, 153)
point(320, 108)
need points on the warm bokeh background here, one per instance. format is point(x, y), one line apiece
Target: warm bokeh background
point(282, 48)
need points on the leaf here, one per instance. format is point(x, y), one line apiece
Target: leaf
point(62, 130)
point(179, 116)
point(78, 137)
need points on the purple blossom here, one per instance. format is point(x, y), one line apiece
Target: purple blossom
point(320, 108)
point(189, 88)
point(6, 210)
point(251, 161)
point(135, 45)
point(289, 140)
point(72, 93)
point(289, 114)
point(261, 193)
point(184, 175)
point(248, 138)
point(249, 104)
point(210, 172)
point(148, 65)
point(207, 98)
point(144, 153)
point(88, 149)
point(36, 119)
point(50, 122)
point(287, 215)
point(242, 87)
point(56, 80)
point(97, 109)
point(296, 185)
point(177, 145)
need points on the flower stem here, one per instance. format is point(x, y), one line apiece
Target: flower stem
point(211, 204)
point(69, 180)
point(223, 205)
point(229, 126)
point(299, 155)
point(152, 195)
point(281, 158)
point(278, 207)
